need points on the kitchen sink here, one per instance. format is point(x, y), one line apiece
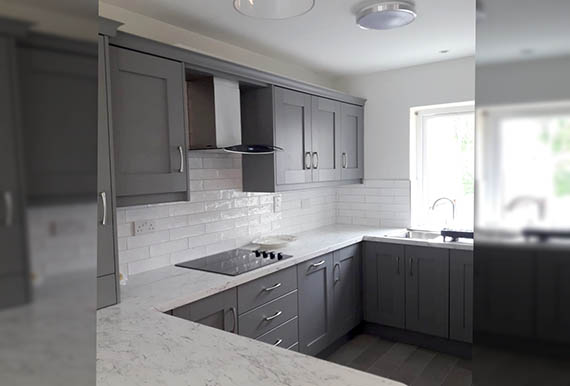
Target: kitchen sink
point(417, 235)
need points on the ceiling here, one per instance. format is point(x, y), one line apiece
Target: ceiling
point(327, 38)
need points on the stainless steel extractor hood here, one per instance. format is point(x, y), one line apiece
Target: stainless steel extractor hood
point(214, 117)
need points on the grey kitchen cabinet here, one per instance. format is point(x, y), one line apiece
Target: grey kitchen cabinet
point(285, 336)
point(107, 255)
point(346, 290)
point(351, 141)
point(14, 276)
point(315, 304)
point(62, 168)
point(461, 295)
point(218, 311)
point(260, 320)
point(325, 139)
point(427, 290)
point(309, 130)
point(384, 284)
point(149, 123)
point(293, 134)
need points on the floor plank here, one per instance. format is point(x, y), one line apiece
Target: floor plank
point(352, 349)
point(367, 358)
point(436, 371)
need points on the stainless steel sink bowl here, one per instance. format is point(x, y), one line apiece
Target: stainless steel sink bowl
point(417, 235)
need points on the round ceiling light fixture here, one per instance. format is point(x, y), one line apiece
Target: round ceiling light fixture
point(273, 9)
point(386, 15)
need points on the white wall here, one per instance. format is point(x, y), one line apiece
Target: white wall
point(154, 29)
point(390, 95)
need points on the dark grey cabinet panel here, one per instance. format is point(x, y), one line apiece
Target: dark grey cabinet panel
point(384, 277)
point(268, 316)
point(293, 134)
point(265, 289)
point(218, 311)
point(149, 126)
point(325, 134)
point(315, 304)
point(106, 291)
point(13, 266)
point(461, 295)
point(106, 222)
point(346, 290)
point(62, 167)
point(351, 141)
point(427, 290)
point(286, 335)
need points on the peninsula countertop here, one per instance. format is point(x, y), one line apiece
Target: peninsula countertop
point(138, 344)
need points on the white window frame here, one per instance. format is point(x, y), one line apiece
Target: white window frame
point(417, 151)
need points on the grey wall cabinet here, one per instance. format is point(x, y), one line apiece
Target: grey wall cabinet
point(461, 295)
point(315, 304)
point(107, 261)
point(427, 290)
point(384, 284)
point(325, 135)
point(351, 141)
point(149, 125)
point(218, 311)
point(346, 290)
point(310, 131)
point(13, 264)
point(64, 167)
point(293, 134)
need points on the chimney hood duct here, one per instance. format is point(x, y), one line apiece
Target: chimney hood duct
point(214, 117)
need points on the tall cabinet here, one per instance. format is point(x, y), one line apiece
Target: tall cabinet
point(107, 255)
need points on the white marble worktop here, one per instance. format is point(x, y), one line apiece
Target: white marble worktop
point(139, 344)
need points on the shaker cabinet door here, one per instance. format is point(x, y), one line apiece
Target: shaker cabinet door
point(352, 141)
point(427, 290)
point(461, 295)
point(315, 304)
point(149, 125)
point(346, 290)
point(325, 134)
point(293, 134)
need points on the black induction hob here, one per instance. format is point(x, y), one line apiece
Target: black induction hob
point(235, 261)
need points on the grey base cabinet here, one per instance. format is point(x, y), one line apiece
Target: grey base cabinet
point(217, 311)
point(347, 304)
point(315, 304)
point(384, 288)
point(461, 295)
point(427, 290)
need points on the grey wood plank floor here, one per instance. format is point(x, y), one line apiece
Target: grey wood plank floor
point(408, 364)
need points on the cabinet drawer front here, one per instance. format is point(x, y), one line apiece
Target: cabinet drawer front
point(295, 347)
point(286, 335)
point(262, 319)
point(265, 289)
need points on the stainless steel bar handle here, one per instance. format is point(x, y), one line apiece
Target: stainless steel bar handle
point(275, 315)
point(315, 160)
point(278, 342)
point(344, 161)
point(308, 160)
point(411, 266)
point(9, 208)
point(272, 287)
point(398, 265)
point(337, 279)
point(234, 315)
point(104, 203)
point(181, 151)
point(315, 265)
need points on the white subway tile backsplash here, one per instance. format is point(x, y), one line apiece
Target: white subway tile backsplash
point(220, 216)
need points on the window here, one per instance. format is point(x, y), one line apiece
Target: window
point(443, 142)
point(524, 166)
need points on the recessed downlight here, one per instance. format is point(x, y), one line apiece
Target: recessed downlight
point(273, 9)
point(386, 15)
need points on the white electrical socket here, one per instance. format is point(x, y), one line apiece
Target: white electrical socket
point(144, 226)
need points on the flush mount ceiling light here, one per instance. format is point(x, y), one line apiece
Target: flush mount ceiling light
point(386, 15)
point(273, 9)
